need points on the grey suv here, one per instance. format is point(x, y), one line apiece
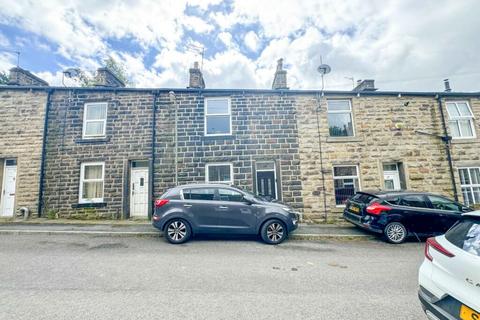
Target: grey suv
point(220, 209)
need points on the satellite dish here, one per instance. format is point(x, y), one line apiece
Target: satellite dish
point(72, 72)
point(324, 69)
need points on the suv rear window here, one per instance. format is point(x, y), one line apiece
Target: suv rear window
point(363, 198)
point(466, 235)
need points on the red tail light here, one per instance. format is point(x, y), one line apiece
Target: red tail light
point(377, 208)
point(160, 202)
point(432, 243)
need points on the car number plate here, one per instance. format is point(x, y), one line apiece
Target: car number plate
point(355, 209)
point(468, 314)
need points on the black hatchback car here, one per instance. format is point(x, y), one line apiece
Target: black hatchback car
point(399, 214)
point(219, 209)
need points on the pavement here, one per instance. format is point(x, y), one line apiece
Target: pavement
point(126, 228)
point(76, 276)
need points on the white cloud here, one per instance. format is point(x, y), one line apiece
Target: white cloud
point(252, 41)
point(406, 45)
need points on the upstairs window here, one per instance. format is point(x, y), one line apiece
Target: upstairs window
point(91, 182)
point(218, 117)
point(94, 120)
point(219, 173)
point(340, 122)
point(461, 121)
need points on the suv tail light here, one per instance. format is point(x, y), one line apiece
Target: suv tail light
point(377, 208)
point(432, 243)
point(161, 202)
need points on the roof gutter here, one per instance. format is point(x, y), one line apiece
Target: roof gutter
point(43, 155)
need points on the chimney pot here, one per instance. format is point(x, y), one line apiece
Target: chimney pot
point(280, 78)
point(196, 77)
point(446, 82)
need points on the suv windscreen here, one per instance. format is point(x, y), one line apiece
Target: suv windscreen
point(413, 200)
point(442, 203)
point(466, 235)
point(199, 194)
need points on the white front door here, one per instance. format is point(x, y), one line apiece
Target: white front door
point(7, 205)
point(139, 192)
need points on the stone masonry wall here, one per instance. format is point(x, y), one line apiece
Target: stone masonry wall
point(386, 130)
point(466, 152)
point(21, 135)
point(128, 137)
point(263, 129)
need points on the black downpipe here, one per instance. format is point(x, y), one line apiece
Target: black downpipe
point(446, 139)
point(43, 156)
point(320, 153)
point(152, 164)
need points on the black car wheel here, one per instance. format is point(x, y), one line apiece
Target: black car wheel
point(273, 232)
point(395, 232)
point(177, 231)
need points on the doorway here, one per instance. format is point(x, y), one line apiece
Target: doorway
point(139, 189)
point(7, 203)
point(391, 176)
point(266, 180)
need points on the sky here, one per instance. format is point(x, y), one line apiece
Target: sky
point(406, 45)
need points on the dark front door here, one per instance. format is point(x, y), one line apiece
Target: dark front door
point(266, 184)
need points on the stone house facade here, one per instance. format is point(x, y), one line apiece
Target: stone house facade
point(109, 151)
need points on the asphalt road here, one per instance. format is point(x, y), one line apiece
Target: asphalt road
point(85, 277)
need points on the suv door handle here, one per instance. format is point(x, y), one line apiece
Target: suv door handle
point(223, 207)
point(187, 205)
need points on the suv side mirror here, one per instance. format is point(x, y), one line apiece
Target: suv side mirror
point(466, 209)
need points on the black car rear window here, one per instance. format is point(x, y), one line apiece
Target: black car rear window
point(413, 200)
point(466, 235)
point(199, 194)
point(363, 198)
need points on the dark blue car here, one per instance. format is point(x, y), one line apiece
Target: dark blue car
point(220, 209)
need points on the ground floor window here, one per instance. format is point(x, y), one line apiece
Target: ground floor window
point(470, 182)
point(219, 173)
point(345, 180)
point(91, 182)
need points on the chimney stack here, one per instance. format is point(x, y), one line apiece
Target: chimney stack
point(280, 78)
point(106, 78)
point(365, 85)
point(196, 77)
point(22, 77)
point(446, 82)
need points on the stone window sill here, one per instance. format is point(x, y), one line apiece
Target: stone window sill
point(222, 137)
point(343, 139)
point(464, 141)
point(89, 205)
point(92, 140)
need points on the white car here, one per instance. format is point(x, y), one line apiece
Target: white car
point(449, 277)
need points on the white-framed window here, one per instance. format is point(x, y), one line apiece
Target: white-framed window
point(346, 182)
point(218, 117)
point(91, 182)
point(219, 173)
point(340, 119)
point(461, 120)
point(94, 119)
point(470, 183)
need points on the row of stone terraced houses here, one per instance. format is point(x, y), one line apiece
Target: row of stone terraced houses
point(108, 151)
